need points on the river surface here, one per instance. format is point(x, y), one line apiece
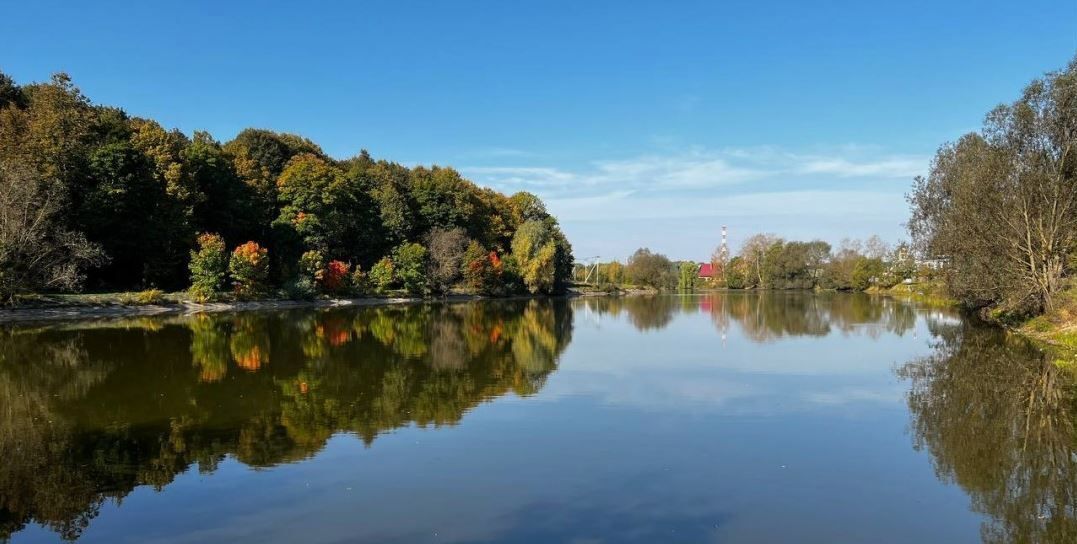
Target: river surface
point(723, 417)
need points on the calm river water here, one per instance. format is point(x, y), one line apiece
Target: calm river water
point(726, 417)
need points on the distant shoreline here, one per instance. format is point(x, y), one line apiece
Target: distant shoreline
point(112, 306)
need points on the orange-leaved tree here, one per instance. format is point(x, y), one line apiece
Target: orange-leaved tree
point(249, 268)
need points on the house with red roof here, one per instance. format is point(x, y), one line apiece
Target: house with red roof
point(706, 271)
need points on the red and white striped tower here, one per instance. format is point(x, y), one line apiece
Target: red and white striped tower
point(724, 251)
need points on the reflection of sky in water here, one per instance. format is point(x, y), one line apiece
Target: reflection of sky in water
point(666, 435)
point(688, 366)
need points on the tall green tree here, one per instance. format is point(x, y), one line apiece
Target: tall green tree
point(443, 199)
point(121, 209)
point(755, 251)
point(10, 93)
point(1000, 206)
point(259, 156)
point(52, 134)
point(686, 277)
point(646, 268)
point(409, 267)
point(328, 210)
point(387, 184)
point(543, 256)
point(225, 204)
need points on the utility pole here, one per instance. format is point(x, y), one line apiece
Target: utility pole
point(589, 264)
point(592, 269)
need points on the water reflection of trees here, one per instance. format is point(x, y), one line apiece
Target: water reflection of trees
point(90, 412)
point(997, 418)
point(767, 315)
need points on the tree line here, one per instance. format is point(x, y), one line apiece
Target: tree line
point(92, 197)
point(766, 261)
point(1000, 205)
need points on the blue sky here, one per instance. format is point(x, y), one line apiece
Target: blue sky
point(641, 123)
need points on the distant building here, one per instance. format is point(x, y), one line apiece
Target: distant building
point(935, 263)
point(706, 271)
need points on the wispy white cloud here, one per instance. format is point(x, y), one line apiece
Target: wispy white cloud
point(696, 170)
point(700, 169)
point(524, 177)
point(807, 204)
point(669, 200)
point(897, 167)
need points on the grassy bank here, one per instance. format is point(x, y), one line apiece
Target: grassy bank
point(929, 293)
point(1057, 327)
point(1055, 331)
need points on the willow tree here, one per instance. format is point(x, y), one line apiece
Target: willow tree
point(543, 256)
point(686, 277)
point(1001, 205)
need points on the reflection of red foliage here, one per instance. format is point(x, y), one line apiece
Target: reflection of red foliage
point(252, 360)
point(495, 334)
point(303, 388)
point(210, 375)
point(334, 333)
point(339, 338)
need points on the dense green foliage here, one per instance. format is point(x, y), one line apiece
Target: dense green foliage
point(767, 261)
point(208, 266)
point(648, 269)
point(116, 202)
point(686, 276)
point(409, 267)
point(542, 255)
point(1000, 206)
point(382, 274)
